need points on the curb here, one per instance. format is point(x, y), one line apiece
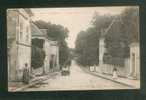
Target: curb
point(96, 74)
point(34, 82)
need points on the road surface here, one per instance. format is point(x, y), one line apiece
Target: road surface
point(77, 80)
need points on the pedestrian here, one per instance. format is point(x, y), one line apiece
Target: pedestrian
point(26, 76)
point(52, 63)
point(115, 75)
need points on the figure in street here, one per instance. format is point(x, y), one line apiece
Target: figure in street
point(26, 76)
point(66, 67)
point(115, 75)
point(52, 63)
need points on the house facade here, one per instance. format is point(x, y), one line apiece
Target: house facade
point(50, 47)
point(19, 42)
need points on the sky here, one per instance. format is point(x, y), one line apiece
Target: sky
point(75, 19)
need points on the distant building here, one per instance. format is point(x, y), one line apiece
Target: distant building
point(18, 41)
point(50, 47)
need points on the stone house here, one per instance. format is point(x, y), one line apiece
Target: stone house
point(18, 42)
point(50, 47)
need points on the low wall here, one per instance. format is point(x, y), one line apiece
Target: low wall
point(122, 71)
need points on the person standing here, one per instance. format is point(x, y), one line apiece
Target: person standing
point(51, 63)
point(26, 76)
point(115, 75)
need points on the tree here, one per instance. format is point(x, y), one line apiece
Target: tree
point(101, 22)
point(87, 42)
point(115, 45)
point(130, 18)
point(57, 32)
point(122, 33)
point(118, 37)
point(87, 47)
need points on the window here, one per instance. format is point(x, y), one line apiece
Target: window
point(27, 38)
point(21, 30)
point(27, 29)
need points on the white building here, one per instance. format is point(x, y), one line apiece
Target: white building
point(134, 61)
point(19, 42)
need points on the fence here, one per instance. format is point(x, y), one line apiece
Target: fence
point(122, 71)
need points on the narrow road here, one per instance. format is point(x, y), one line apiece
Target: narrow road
point(77, 80)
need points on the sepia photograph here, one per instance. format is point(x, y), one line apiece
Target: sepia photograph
point(73, 48)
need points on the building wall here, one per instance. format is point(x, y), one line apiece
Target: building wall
point(12, 60)
point(134, 60)
point(47, 49)
point(24, 42)
point(20, 50)
point(12, 26)
point(55, 52)
point(101, 50)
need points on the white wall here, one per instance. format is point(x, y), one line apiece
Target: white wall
point(122, 70)
point(135, 71)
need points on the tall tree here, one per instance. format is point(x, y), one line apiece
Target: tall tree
point(130, 18)
point(122, 33)
point(87, 47)
point(87, 42)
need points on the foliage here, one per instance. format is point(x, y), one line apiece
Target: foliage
point(101, 22)
point(63, 53)
point(38, 42)
point(57, 32)
point(87, 47)
point(117, 39)
point(123, 32)
point(37, 57)
point(130, 18)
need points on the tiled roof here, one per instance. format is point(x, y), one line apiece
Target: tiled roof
point(114, 24)
point(35, 31)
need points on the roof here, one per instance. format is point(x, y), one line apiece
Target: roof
point(28, 11)
point(114, 24)
point(40, 33)
point(36, 32)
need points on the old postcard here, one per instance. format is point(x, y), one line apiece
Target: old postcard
point(75, 48)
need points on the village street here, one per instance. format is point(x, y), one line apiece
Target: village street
point(77, 80)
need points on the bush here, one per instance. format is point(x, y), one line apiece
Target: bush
point(37, 57)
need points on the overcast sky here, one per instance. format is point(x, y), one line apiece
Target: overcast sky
point(75, 19)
